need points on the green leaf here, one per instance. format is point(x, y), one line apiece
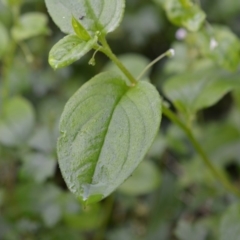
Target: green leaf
point(101, 15)
point(16, 121)
point(225, 149)
point(221, 45)
point(186, 230)
point(140, 182)
point(30, 25)
point(135, 63)
point(229, 226)
point(68, 50)
point(37, 167)
point(43, 139)
point(80, 30)
point(106, 129)
point(184, 13)
point(4, 39)
point(198, 89)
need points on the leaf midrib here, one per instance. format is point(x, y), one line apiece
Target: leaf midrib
point(108, 124)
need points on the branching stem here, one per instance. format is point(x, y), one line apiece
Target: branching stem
point(217, 174)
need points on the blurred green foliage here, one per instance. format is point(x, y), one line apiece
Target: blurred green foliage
point(172, 195)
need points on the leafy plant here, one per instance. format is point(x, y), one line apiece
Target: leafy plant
point(179, 180)
point(109, 124)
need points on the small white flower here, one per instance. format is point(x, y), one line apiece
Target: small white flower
point(213, 43)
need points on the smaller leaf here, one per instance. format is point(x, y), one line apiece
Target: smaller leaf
point(184, 13)
point(145, 179)
point(68, 50)
point(80, 30)
point(30, 25)
point(16, 121)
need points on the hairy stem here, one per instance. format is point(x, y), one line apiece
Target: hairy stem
point(218, 175)
point(107, 50)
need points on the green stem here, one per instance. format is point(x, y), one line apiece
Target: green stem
point(26, 51)
point(7, 62)
point(218, 175)
point(168, 53)
point(107, 50)
point(107, 212)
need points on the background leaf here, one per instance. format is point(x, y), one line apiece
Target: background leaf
point(30, 25)
point(145, 179)
point(106, 129)
point(16, 122)
point(220, 44)
point(187, 15)
point(200, 88)
point(186, 230)
point(229, 227)
point(37, 167)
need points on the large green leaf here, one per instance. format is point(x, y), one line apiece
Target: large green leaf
point(68, 50)
point(30, 25)
point(184, 13)
point(106, 129)
point(197, 89)
point(229, 227)
point(16, 121)
point(4, 39)
point(95, 15)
